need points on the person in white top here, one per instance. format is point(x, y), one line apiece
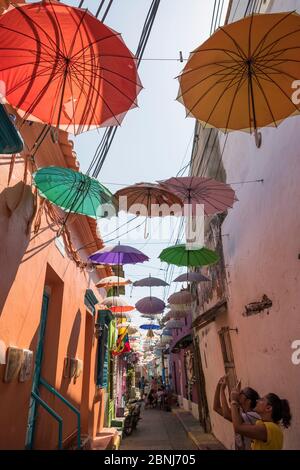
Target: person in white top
point(247, 401)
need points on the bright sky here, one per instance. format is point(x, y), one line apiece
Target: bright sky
point(155, 140)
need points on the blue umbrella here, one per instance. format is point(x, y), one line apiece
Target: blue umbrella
point(149, 326)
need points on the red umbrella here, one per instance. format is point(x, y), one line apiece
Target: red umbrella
point(63, 67)
point(215, 195)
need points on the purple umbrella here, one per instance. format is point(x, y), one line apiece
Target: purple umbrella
point(150, 305)
point(118, 254)
point(150, 282)
point(191, 277)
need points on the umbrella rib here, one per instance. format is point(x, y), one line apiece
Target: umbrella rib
point(278, 86)
point(218, 100)
point(102, 98)
point(242, 54)
point(269, 31)
point(97, 41)
point(265, 98)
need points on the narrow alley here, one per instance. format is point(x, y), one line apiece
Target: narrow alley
point(158, 430)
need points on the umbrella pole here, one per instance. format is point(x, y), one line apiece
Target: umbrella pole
point(257, 135)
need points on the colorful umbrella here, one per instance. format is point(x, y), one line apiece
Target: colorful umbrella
point(113, 281)
point(150, 282)
point(195, 190)
point(117, 304)
point(149, 326)
point(180, 256)
point(63, 67)
point(150, 305)
point(241, 77)
point(149, 200)
point(118, 254)
point(191, 277)
point(174, 324)
point(181, 297)
point(73, 191)
point(178, 314)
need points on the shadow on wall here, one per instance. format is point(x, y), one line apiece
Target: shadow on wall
point(16, 214)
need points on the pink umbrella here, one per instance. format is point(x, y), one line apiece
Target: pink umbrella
point(215, 195)
point(181, 297)
point(191, 277)
point(150, 305)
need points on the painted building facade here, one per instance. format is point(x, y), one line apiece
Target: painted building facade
point(247, 318)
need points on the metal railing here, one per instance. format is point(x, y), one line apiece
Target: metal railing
point(68, 404)
point(53, 414)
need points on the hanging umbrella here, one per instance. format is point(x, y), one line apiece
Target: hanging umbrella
point(178, 314)
point(181, 297)
point(150, 334)
point(118, 254)
point(77, 74)
point(174, 324)
point(149, 200)
point(214, 195)
point(73, 191)
point(180, 256)
point(149, 326)
point(113, 281)
point(132, 330)
point(151, 305)
point(123, 325)
point(191, 277)
point(184, 309)
point(241, 77)
point(117, 304)
point(150, 282)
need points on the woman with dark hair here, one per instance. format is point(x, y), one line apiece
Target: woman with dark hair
point(266, 433)
point(247, 401)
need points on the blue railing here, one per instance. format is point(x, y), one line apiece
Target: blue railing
point(53, 414)
point(68, 404)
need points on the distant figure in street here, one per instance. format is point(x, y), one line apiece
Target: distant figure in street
point(154, 383)
point(141, 386)
point(247, 401)
point(151, 399)
point(160, 397)
point(266, 433)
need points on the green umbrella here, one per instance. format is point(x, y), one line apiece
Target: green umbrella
point(180, 256)
point(73, 191)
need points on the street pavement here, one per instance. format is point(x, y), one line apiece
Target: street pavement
point(158, 430)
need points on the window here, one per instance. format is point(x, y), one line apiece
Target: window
point(228, 358)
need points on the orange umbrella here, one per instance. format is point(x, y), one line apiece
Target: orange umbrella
point(241, 77)
point(117, 304)
point(149, 200)
point(63, 67)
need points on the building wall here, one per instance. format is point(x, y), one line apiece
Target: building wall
point(261, 248)
point(29, 262)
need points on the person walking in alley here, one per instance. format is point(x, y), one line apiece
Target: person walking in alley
point(247, 401)
point(266, 433)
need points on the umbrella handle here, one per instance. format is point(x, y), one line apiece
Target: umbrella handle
point(258, 138)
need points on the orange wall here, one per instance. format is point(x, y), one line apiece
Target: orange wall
point(21, 291)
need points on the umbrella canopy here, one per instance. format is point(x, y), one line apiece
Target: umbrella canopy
point(118, 254)
point(180, 256)
point(191, 277)
point(77, 74)
point(149, 326)
point(174, 324)
point(149, 200)
point(113, 281)
point(73, 191)
point(214, 195)
point(181, 297)
point(241, 77)
point(132, 330)
point(177, 314)
point(150, 334)
point(184, 309)
point(151, 305)
point(150, 282)
point(117, 304)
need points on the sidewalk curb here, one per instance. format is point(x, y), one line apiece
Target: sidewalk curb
point(193, 438)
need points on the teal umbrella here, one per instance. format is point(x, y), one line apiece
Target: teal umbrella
point(73, 191)
point(180, 256)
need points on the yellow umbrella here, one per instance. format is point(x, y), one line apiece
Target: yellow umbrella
point(242, 77)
